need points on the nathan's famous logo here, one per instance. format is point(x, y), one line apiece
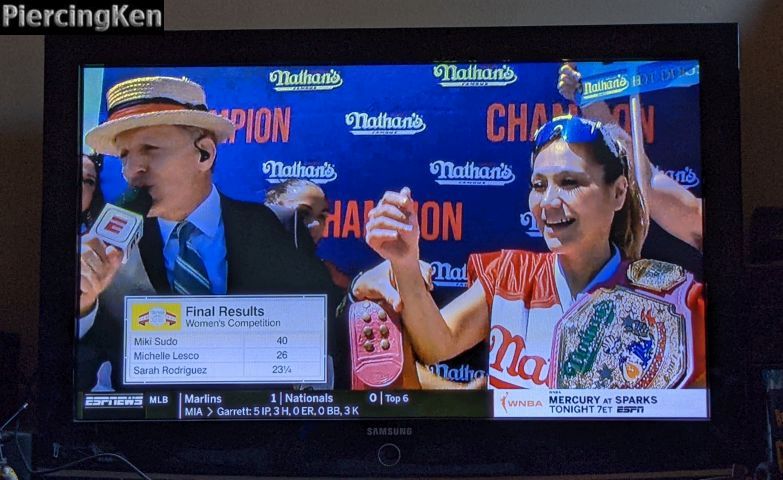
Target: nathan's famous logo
point(469, 173)
point(686, 177)
point(156, 317)
point(304, 80)
point(463, 373)
point(452, 75)
point(278, 172)
point(363, 123)
point(581, 359)
point(446, 275)
point(510, 350)
point(608, 84)
point(529, 222)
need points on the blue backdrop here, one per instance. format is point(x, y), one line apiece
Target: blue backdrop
point(457, 135)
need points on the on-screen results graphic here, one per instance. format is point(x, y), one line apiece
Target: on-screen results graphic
point(225, 340)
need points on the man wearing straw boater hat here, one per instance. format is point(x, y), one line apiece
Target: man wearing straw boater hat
point(196, 241)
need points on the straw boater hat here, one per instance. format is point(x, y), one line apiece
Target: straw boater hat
point(150, 101)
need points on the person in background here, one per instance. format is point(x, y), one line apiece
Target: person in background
point(92, 194)
point(310, 200)
point(676, 209)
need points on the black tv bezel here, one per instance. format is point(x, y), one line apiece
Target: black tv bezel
point(430, 446)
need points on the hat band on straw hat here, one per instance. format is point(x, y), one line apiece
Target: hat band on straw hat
point(149, 105)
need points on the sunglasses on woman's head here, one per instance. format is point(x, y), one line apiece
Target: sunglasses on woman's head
point(572, 130)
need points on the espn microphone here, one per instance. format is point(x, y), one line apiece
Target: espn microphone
point(121, 224)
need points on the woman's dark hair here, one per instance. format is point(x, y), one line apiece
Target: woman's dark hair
point(276, 193)
point(631, 222)
point(87, 217)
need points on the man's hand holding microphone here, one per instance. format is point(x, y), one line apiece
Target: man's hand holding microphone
point(108, 244)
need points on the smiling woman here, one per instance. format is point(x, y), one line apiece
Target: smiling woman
point(588, 314)
point(583, 193)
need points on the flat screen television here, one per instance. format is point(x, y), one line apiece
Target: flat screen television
point(407, 251)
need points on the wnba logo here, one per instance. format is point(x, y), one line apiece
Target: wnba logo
point(279, 172)
point(444, 275)
point(451, 75)
point(604, 86)
point(685, 177)
point(304, 80)
point(529, 222)
point(363, 123)
point(447, 173)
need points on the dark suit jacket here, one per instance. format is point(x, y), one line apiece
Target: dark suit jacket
point(265, 254)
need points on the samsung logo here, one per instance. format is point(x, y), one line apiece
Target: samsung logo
point(389, 431)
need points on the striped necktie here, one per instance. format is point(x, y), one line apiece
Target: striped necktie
point(190, 274)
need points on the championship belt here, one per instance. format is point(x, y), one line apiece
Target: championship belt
point(619, 338)
point(377, 355)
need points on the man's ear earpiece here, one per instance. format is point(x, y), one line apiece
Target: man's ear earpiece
point(204, 153)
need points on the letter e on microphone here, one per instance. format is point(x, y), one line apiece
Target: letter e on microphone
point(120, 228)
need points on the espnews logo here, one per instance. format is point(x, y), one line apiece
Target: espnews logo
point(363, 123)
point(304, 80)
point(452, 75)
point(28, 18)
point(134, 400)
point(278, 172)
point(448, 173)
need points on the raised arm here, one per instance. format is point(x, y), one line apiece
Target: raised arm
point(436, 335)
point(671, 205)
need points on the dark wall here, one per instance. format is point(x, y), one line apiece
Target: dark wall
point(21, 98)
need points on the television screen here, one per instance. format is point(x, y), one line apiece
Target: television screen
point(483, 239)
